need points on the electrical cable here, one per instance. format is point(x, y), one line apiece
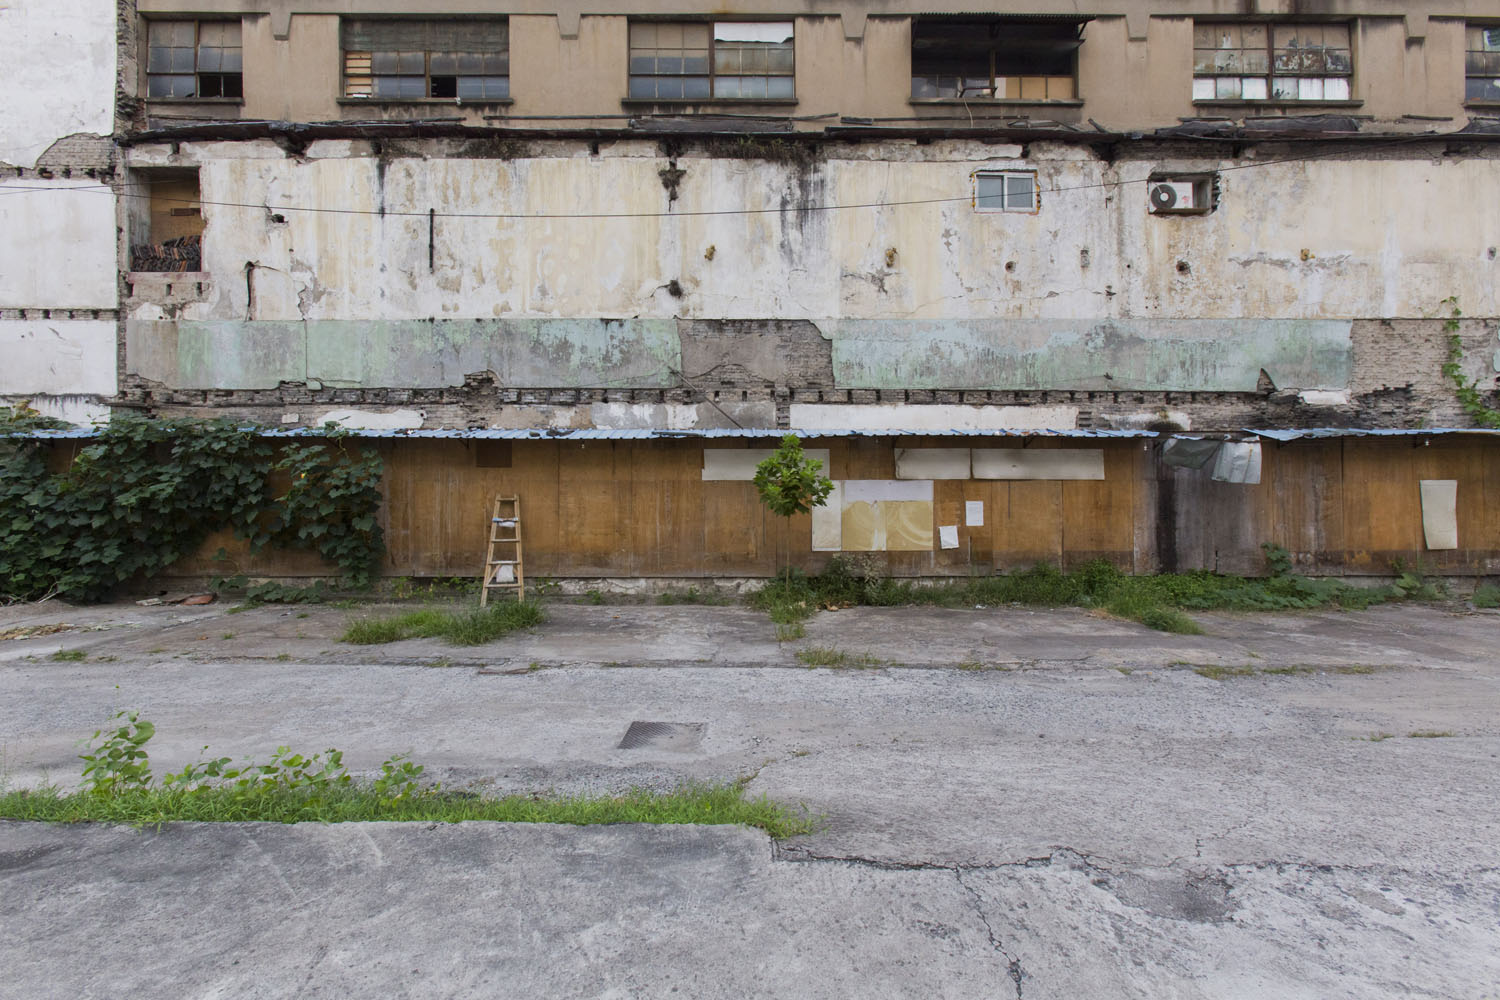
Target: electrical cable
point(690, 213)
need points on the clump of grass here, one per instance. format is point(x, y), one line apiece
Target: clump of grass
point(1430, 734)
point(827, 656)
point(471, 627)
point(1486, 595)
point(69, 656)
point(1375, 737)
point(1159, 602)
point(1219, 672)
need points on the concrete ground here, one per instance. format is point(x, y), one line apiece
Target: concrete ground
point(1014, 803)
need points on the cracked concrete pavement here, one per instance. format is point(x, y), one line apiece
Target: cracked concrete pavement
point(1015, 803)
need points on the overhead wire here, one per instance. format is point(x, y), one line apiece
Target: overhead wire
point(12, 188)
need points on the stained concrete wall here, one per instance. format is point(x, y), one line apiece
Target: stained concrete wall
point(58, 74)
point(1089, 293)
point(57, 244)
point(62, 367)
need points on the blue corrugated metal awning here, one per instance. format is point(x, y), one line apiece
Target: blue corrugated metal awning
point(639, 434)
point(722, 433)
point(1337, 432)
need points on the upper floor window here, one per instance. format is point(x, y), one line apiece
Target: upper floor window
point(193, 59)
point(1277, 62)
point(1000, 59)
point(408, 60)
point(1482, 64)
point(727, 60)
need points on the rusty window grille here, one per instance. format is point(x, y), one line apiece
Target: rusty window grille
point(700, 61)
point(1482, 63)
point(1271, 62)
point(410, 60)
point(195, 60)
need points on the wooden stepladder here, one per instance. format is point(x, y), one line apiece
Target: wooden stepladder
point(502, 563)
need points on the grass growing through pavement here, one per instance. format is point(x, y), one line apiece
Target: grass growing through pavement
point(827, 656)
point(1159, 602)
point(470, 627)
point(698, 803)
point(119, 787)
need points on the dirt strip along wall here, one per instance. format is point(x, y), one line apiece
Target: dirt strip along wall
point(1349, 506)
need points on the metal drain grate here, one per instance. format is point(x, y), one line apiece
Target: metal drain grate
point(663, 735)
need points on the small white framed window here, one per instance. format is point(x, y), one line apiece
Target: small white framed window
point(1006, 191)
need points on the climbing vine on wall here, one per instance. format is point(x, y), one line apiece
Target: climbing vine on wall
point(144, 493)
point(1468, 390)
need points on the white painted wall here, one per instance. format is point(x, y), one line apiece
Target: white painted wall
point(1329, 238)
point(57, 245)
point(58, 74)
point(58, 358)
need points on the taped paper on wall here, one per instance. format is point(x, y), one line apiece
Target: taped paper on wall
point(1440, 513)
point(974, 513)
point(948, 536)
point(828, 521)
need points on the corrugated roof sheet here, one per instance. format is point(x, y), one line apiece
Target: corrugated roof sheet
point(642, 434)
point(720, 433)
point(1334, 432)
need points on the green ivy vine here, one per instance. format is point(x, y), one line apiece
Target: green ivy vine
point(144, 493)
point(1469, 396)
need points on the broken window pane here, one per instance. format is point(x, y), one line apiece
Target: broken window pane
point(1482, 64)
point(193, 59)
point(410, 60)
point(1005, 60)
point(1284, 62)
point(732, 60)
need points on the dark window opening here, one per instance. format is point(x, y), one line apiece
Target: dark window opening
point(168, 236)
point(194, 60)
point(1000, 59)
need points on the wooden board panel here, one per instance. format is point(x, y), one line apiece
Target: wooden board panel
point(1028, 521)
point(1382, 514)
point(667, 530)
point(1098, 517)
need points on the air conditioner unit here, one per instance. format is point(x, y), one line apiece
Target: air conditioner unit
point(1173, 196)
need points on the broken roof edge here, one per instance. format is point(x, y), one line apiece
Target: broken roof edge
point(628, 433)
point(305, 132)
point(731, 433)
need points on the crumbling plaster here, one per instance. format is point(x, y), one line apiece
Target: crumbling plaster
point(58, 74)
point(910, 285)
point(1289, 240)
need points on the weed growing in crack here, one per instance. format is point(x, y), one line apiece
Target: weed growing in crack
point(471, 627)
point(118, 787)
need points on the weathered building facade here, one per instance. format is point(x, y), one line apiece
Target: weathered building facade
point(1000, 267)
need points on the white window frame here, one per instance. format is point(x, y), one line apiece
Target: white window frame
point(1032, 206)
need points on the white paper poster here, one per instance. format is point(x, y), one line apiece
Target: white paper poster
point(948, 536)
point(973, 513)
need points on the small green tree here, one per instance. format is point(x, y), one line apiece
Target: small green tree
point(791, 483)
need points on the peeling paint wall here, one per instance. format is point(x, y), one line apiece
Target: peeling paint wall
point(58, 74)
point(1091, 292)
